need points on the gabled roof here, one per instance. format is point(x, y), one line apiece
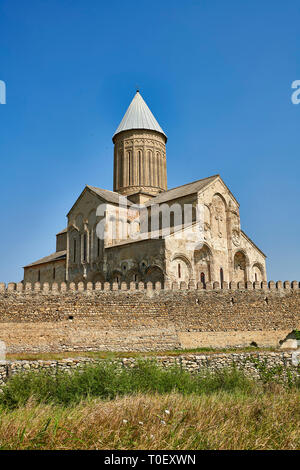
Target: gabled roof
point(58, 255)
point(181, 191)
point(108, 196)
point(139, 116)
point(62, 231)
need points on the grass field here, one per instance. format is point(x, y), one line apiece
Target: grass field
point(148, 408)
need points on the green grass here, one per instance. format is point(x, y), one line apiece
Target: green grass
point(107, 380)
point(105, 406)
point(220, 420)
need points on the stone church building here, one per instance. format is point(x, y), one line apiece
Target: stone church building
point(138, 243)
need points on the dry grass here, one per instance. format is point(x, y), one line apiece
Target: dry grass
point(121, 354)
point(269, 420)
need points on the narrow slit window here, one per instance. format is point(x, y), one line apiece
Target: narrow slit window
point(172, 219)
point(179, 271)
point(84, 247)
point(129, 168)
point(74, 250)
point(140, 167)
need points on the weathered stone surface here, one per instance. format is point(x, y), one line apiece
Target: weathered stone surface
point(37, 321)
point(196, 363)
point(290, 344)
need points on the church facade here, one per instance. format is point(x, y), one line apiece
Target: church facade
point(142, 231)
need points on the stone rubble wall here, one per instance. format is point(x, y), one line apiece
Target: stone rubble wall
point(69, 317)
point(279, 362)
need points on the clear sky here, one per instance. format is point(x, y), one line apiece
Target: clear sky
point(217, 76)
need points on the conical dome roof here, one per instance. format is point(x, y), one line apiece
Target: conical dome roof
point(139, 116)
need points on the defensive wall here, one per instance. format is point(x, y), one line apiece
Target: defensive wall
point(138, 317)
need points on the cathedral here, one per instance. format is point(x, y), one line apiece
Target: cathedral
point(142, 231)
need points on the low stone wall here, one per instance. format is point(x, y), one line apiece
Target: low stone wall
point(250, 363)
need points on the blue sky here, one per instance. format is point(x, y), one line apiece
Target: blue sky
point(217, 76)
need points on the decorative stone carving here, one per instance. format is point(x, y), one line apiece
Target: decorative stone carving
point(219, 220)
point(236, 237)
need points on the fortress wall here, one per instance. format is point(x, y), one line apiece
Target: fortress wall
point(68, 317)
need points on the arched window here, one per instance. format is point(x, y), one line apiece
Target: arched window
point(160, 221)
point(172, 219)
point(53, 273)
point(258, 272)
point(194, 214)
point(158, 169)
point(202, 278)
point(179, 271)
point(129, 168)
point(98, 247)
point(240, 272)
point(149, 165)
point(74, 250)
point(221, 276)
point(140, 175)
point(154, 165)
point(203, 259)
point(154, 274)
point(84, 247)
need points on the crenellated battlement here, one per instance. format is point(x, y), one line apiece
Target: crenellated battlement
point(146, 287)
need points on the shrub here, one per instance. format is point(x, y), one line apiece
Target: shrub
point(297, 334)
point(107, 380)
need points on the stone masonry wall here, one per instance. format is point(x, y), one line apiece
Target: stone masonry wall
point(249, 363)
point(103, 317)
